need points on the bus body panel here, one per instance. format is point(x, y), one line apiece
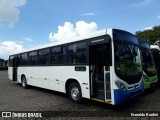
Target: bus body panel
point(133, 90)
point(45, 77)
point(151, 82)
point(121, 97)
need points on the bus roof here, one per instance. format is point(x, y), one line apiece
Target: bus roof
point(87, 36)
point(80, 38)
point(144, 44)
point(154, 47)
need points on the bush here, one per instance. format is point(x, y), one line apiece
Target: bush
point(3, 68)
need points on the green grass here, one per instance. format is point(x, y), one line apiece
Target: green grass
point(3, 68)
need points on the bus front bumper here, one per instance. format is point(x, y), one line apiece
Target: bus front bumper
point(121, 97)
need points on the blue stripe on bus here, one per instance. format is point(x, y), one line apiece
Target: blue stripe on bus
point(120, 97)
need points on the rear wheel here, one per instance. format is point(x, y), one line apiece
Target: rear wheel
point(24, 82)
point(74, 92)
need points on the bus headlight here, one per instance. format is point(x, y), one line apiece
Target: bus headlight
point(121, 86)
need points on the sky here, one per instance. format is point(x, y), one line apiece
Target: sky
point(29, 23)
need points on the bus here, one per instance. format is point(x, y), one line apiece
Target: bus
point(104, 66)
point(2, 62)
point(149, 71)
point(155, 50)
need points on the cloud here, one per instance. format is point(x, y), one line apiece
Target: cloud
point(84, 28)
point(9, 12)
point(140, 4)
point(158, 17)
point(9, 47)
point(64, 32)
point(28, 39)
point(68, 31)
point(148, 28)
point(89, 14)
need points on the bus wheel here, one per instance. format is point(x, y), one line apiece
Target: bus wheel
point(74, 92)
point(24, 82)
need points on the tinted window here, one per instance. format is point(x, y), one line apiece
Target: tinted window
point(33, 58)
point(57, 50)
point(144, 44)
point(124, 36)
point(77, 53)
point(58, 59)
point(11, 61)
point(43, 57)
point(58, 55)
point(43, 52)
point(24, 59)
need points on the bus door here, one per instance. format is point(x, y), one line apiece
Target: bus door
point(15, 65)
point(100, 71)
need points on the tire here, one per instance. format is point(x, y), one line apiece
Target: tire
point(74, 92)
point(24, 82)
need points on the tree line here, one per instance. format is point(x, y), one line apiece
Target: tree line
point(151, 35)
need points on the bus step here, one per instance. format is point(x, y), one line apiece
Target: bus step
point(100, 97)
point(100, 86)
point(100, 90)
point(100, 94)
point(99, 81)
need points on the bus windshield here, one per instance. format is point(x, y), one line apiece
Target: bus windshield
point(147, 63)
point(127, 61)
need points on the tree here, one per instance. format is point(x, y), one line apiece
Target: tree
point(152, 36)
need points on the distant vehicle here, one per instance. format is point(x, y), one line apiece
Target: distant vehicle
point(155, 49)
point(149, 72)
point(1, 62)
point(5, 63)
point(104, 66)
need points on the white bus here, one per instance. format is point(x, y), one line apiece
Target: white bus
point(155, 49)
point(103, 66)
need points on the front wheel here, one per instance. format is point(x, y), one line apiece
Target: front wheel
point(24, 82)
point(74, 92)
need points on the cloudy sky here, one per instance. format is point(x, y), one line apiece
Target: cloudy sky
point(29, 23)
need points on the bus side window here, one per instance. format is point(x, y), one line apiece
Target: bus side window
point(47, 62)
point(76, 53)
point(58, 55)
point(33, 58)
point(75, 59)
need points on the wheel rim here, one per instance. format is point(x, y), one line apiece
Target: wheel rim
point(75, 93)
